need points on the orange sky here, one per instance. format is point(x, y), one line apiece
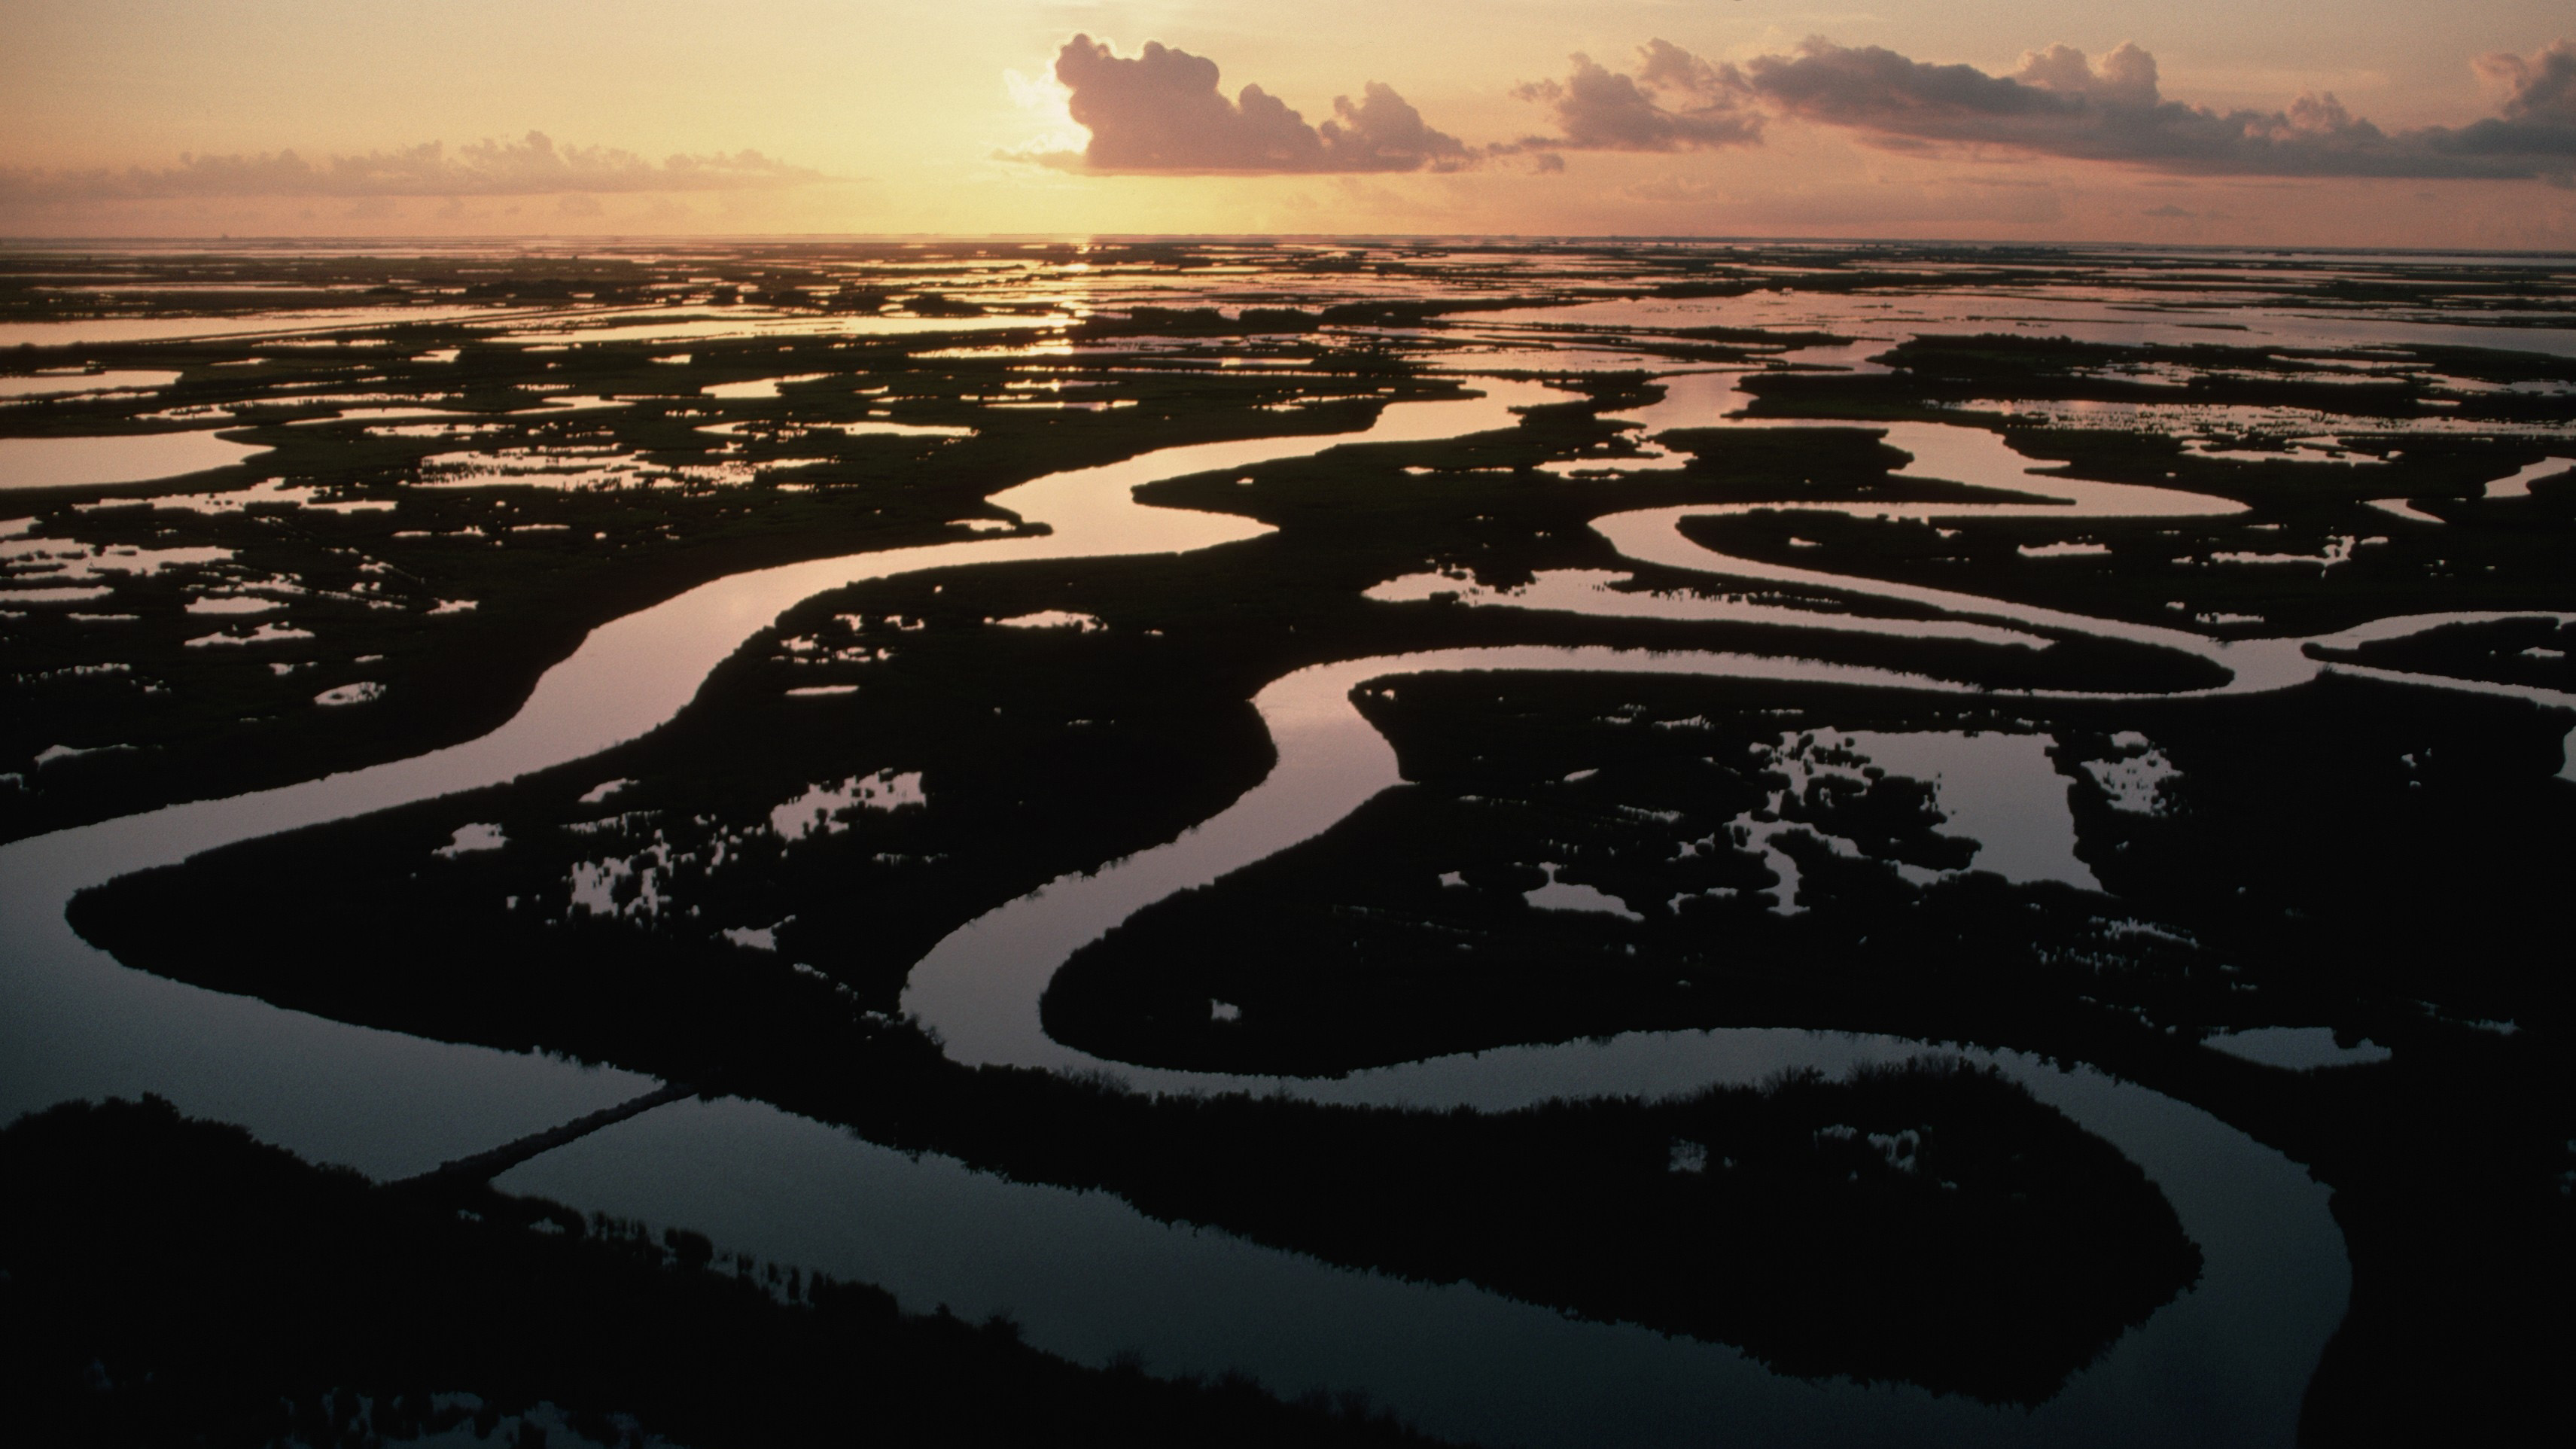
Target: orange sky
point(151, 117)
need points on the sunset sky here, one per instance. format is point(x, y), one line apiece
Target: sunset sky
point(2330, 122)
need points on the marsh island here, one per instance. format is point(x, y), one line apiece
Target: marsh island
point(1294, 842)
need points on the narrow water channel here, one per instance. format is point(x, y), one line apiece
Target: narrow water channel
point(1084, 1273)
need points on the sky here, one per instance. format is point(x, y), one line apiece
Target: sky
point(2207, 122)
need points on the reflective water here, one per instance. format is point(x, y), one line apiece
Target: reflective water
point(1088, 1277)
point(1084, 1273)
point(76, 382)
point(1999, 790)
point(82, 1026)
point(27, 463)
point(2519, 485)
point(2297, 1048)
point(629, 676)
point(264, 324)
point(1597, 592)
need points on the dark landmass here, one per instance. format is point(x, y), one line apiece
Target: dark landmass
point(2045, 1245)
point(169, 1281)
point(359, 571)
point(2259, 892)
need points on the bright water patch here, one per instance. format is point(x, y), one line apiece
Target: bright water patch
point(1599, 592)
point(1999, 790)
point(875, 429)
point(66, 560)
point(826, 808)
point(574, 469)
point(55, 594)
point(2296, 1048)
point(264, 634)
point(1565, 895)
point(686, 325)
point(1054, 619)
point(106, 461)
point(260, 324)
point(276, 491)
point(43, 385)
point(759, 387)
point(2519, 485)
point(469, 839)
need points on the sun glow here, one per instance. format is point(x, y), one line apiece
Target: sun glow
point(1045, 105)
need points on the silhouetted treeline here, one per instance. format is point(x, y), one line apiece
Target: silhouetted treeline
point(2048, 1245)
point(172, 1282)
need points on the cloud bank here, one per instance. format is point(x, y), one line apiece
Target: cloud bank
point(1160, 112)
point(2057, 102)
point(531, 166)
point(1676, 101)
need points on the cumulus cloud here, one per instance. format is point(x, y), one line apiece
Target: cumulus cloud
point(2539, 111)
point(1676, 101)
point(1160, 111)
point(531, 166)
point(2539, 89)
point(2058, 102)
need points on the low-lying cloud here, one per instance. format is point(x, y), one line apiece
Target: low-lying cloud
point(2057, 102)
point(531, 166)
point(1676, 101)
point(1160, 112)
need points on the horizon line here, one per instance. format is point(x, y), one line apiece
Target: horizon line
point(927, 238)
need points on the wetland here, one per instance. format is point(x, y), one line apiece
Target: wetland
point(1285, 842)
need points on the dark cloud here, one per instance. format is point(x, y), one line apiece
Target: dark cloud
point(2059, 103)
point(531, 166)
point(2539, 113)
point(2540, 90)
point(1160, 112)
point(1676, 101)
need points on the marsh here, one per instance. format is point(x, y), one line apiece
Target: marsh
point(1901, 845)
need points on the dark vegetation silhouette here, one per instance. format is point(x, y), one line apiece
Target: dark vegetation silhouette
point(2043, 1244)
point(169, 1281)
point(2379, 859)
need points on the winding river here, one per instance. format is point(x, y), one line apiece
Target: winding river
point(1086, 1275)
